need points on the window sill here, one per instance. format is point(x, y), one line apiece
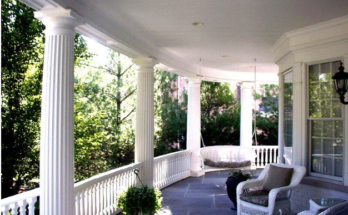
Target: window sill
point(324, 183)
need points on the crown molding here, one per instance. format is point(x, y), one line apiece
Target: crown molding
point(323, 34)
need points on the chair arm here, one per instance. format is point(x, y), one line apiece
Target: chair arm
point(274, 192)
point(248, 184)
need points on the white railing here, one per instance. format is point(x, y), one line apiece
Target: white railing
point(265, 155)
point(96, 195)
point(20, 202)
point(99, 194)
point(171, 168)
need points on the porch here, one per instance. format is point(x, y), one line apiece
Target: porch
point(182, 194)
point(293, 52)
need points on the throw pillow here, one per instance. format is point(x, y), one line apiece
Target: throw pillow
point(277, 177)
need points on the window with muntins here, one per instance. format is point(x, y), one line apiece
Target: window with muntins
point(288, 108)
point(325, 121)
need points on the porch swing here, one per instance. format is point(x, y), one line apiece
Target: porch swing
point(215, 158)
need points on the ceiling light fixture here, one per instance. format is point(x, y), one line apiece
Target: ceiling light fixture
point(198, 23)
point(340, 80)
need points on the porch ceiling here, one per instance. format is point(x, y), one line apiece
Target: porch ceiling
point(241, 30)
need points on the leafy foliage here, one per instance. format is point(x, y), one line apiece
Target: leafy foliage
point(171, 113)
point(22, 63)
point(21, 66)
point(104, 116)
point(240, 173)
point(220, 114)
point(267, 118)
point(142, 199)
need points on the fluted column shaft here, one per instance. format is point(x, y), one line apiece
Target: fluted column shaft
point(281, 143)
point(57, 114)
point(194, 124)
point(144, 130)
point(246, 116)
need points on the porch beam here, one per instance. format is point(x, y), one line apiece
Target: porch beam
point(144, 130)
point(57, 113)
point(194, 124)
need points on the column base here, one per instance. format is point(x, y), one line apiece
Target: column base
point(197, 173)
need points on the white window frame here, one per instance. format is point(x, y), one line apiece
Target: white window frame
point(308, 127)
point(283, 107)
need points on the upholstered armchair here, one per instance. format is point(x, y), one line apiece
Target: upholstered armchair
point(270, 192)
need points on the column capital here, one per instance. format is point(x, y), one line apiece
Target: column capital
point(246, 84)
point(194, 80)
point(145, 64)
point(59, 21)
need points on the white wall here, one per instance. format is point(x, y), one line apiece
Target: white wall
point(295, 50)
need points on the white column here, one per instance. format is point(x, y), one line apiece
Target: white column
point(144, 130)
point(298, 143)
point(246, 115)
point(281, 143)
point(194, 124)
point(57, 113)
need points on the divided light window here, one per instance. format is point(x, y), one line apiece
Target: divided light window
point(288, 109)
point(325, 121)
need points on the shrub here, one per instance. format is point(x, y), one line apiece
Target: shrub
point(137, 200)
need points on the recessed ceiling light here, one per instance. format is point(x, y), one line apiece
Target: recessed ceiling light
point(198, 23)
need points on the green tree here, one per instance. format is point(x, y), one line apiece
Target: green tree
point(170, 113)
point(104, 116)
point(21, 65)
point(220, 114)
point(267, 117)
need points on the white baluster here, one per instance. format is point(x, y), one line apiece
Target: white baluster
point(257, 157)
point(31, 201)
point(22, 204)
point(266, 160)
point(5, 209)
point(116, 192)
point(112, 195)
point(14, 207)
point(118, 184)
point(94, 199)
point(77, 203)
point(263, 157)
point(108, 189)
point(90, 200)
point(97, 196)
point(104, 197)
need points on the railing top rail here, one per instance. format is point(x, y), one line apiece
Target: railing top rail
point(22, 196)
point(103, 176)
point(162, 157)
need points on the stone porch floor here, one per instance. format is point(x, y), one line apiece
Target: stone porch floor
point(205, 195)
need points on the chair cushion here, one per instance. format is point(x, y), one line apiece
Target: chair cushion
point(226, 164)
point(260, 197)
point(277, 177)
